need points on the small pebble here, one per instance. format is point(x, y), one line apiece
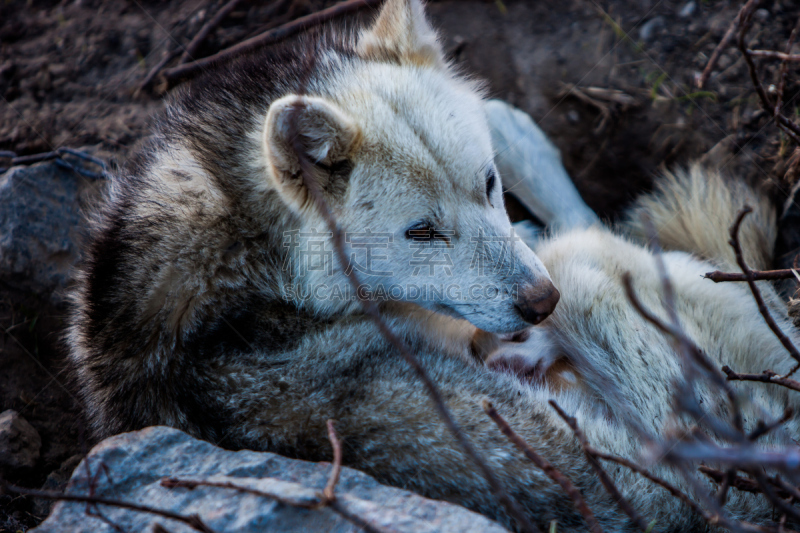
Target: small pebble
point(19, 442)
point(688, 9)
point(650, 28)
point(762, 14)
point(573, 116)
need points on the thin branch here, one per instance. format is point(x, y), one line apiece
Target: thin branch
point(697, 354)
point(329, 493)
point(783, 71)
point(666, 284)
point(190, 49)
point(718, 518)
point(685, 345)
point(744, 25)
point(190, 70)
point(626, 507)
point(673, 490)
point(310, 503)
point(742, 458)
point(762, 428)
point(151, 75)
point(544, 465)
point(715, 55)
point(790, 490)
point(198, 39)
point(737, 482)
point(193, 520)
point(191, 484)
point(786, 125)
point(58, 156)
point(768, 376)
point(762, 308)
point(727, 481)
point(773, 54)
point(773, 496)
point(758, 275)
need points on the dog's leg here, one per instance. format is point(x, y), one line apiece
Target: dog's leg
point(531, 169)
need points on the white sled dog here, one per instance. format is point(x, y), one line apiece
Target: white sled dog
point(210, 298)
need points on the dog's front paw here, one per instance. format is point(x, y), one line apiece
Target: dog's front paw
point(527, 354)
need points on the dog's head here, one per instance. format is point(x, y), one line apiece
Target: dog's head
point(399, 147)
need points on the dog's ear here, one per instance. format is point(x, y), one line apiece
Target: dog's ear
point(402, 33)
point(316, 130)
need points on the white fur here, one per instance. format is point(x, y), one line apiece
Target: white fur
point(628, 371)
point(424, 148)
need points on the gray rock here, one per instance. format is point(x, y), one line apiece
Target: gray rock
point(650, 28)
point(134, 463)
point(40, 224)
point(56, 481)
point(19, 442)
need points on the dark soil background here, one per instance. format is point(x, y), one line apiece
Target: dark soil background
point(69, 72)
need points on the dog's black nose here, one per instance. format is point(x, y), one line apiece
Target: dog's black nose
point(536, 302)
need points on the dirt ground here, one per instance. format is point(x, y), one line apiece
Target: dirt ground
point(611, 82)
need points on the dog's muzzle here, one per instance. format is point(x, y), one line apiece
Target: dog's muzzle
point(536, 302)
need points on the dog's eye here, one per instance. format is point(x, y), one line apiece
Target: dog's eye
point(491, 178)
point(426, 232)
point(420, 232)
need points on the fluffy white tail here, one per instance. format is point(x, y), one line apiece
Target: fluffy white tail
point(693, 210)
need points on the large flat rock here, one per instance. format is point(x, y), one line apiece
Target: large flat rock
point(130, 467)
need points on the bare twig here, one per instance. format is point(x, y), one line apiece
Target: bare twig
point(189, 70)
point(739, 483)
point(191, 484)
point(715, 55)
point(544, 465)
point(744, 25)
point(742, 457)
point(719, 519)
point(311, 504)
point(727, 481)
point(718, 276)
point(762, 308)
point(192, 520)
point(763, 428)
point(773, 496)
point(151, 75)
point(307, 503)
point(329, 494)
point(788, 489)
point(58, 157)
point(783, 71)
point(743, 21)
point(693, 354)
point(676, 492)
point(626, 507)
point(198, 39)
point(768, 376)
point(696, 353)
point(773, 54)
point(786, 125)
